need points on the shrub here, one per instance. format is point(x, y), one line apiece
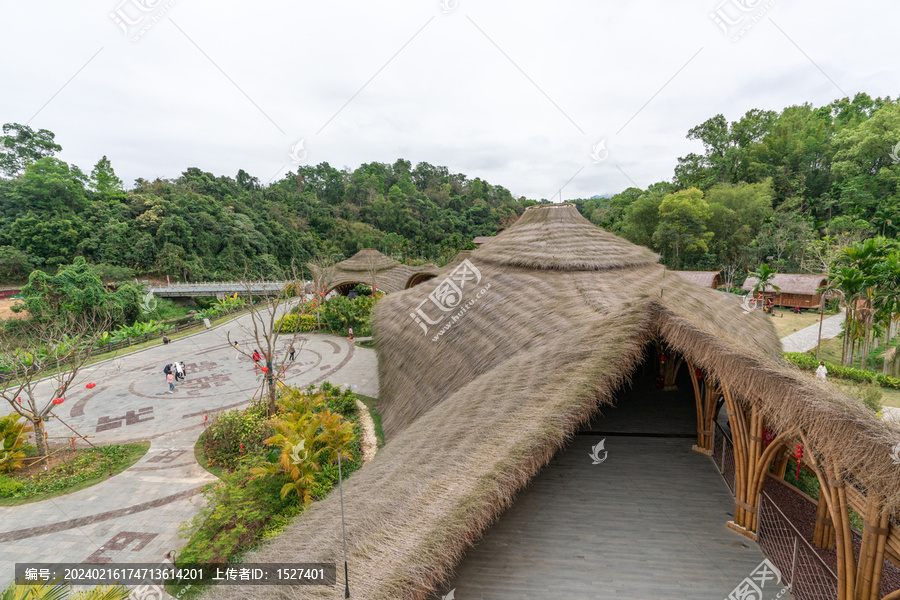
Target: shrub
point(228, 430)
point(340, 313)
point(237, 511)
point(9, 486)
point(12, 441)
point(805, 361)
point(297, 323)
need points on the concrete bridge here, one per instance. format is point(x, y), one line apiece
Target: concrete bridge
point(219, 289)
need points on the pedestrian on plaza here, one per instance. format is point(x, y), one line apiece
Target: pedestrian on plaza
point(256, 356)
point(167, 369)
point(350, 330)
point(170, 379)
point(165, 340)
point(821, 372)
point(179, 371)
point(292, 351)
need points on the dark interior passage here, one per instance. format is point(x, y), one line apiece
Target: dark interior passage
point(646, 523)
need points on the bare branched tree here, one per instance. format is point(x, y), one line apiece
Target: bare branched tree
point(55, 349)
point(265, 329)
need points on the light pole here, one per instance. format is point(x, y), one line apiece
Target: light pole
point(343, 527)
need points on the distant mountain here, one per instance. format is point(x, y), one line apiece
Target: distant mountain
point(606, 197)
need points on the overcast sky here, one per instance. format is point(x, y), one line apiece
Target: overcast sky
point(518, 93)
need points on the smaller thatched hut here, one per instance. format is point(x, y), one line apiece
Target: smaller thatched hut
point(482, 239)
point(371, 268)
point(709, 279)
point(795, 289)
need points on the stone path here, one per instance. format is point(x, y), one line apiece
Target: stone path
point(807, 338)
point(134, 516)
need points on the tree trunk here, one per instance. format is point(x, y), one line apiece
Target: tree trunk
point(40, 440)
point(270, 384)
point(887, 343)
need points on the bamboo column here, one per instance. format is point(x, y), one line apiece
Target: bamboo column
point(823, 534)
point(697, 385)
point(737, 419)
point(871, 552)
point(709, 416)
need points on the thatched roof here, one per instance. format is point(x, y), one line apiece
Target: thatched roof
point(709, 279)
point(371, 267)
point(550, 319)
point(791, 283)
point(482, 239)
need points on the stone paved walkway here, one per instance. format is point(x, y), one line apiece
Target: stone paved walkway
point(807, 338)
point(134, 516)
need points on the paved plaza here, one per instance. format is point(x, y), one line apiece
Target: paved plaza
point(134, 516)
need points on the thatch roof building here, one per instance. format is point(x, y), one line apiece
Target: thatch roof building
point(372, 268)
point(487, 370)
point(796, 289)
point(709, 279)
point(479, 240)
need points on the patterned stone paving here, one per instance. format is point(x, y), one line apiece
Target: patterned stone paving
point(134, 516)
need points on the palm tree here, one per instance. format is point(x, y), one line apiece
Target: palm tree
point(59, 591)
point(763, 276)
point(852, 284)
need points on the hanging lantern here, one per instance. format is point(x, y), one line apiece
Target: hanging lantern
point(698, 373)
point(242, 449)
point(798, 454)
point(91, 386)
point(768, 436)
point(265, 369)
point(57, 401)
point(663, 357)
point(19, 399)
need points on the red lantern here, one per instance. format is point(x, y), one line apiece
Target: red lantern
point(265, 369)
point(698, 373)
point(768, 436)
point(663, 357)
point(798, 454)
point(242, 449)
point(57, 401)
point(91, 386)
point(19, 399)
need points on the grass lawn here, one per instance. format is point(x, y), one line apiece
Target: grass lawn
point(73, 471)
point(786, 322)
point(372, 405)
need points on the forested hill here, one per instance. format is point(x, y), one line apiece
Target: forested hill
point(785, 187)
point(789, 188)
point(201, 226)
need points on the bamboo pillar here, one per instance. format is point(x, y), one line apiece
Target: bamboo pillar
point(700, 411)
point(781, 464)
point(751, 499)
point(741, 438)
point(823, 534)
point(712, 400)
point(871, 552)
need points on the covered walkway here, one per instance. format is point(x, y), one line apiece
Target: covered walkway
point(646, 523)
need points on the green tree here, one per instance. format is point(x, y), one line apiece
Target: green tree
point(104, 180)
point(20, 146)
point(682, 224)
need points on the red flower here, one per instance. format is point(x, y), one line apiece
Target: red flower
point(91, 386)
point(57, 401)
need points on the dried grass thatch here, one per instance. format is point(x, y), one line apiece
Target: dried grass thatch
point(471, 417)
point(709, 279)
point(791, 283)
point(371, 267)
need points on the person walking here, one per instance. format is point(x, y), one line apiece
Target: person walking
point(170, 379)
point(350, 331)
point(821, 372)
point(179, 371)
point(291, 351)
